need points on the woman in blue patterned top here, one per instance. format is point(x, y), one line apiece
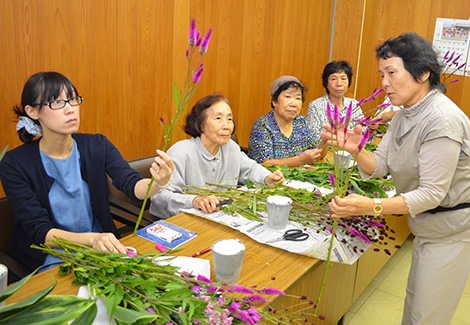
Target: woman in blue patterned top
point(282, 136)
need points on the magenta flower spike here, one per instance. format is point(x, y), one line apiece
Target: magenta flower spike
point(198, 38)
point(336, 118)
point(461, 66)
point(354, 232)
point(241, 289)
point(197, 75)
point(451, 57)
point(329, 115)
point(378, 92)
point(332, 179)
point(205, 42)
point(361, 101)
point(384, 105)
point(254, 298)
point(347, 119)
point(456, 59)
point(192, 33)
point(162, 120)
point(374, 223)
point(447, 55)
point(364, 139)
point(187, 52)
point(376, 120)
point(202, 278)
point(454, 81)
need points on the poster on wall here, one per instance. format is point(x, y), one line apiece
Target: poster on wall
point(451, 38)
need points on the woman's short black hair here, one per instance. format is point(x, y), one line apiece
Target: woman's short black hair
point(198, 115)
point(285, 86)
point(418, 57)
point(38, 90)
point(336, 67)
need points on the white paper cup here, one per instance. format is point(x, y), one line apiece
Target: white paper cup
point(228, 255)
point(278, 211)
point(342, 158)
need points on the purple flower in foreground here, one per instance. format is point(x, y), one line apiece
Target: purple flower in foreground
point(198, 37)
point(150, 310)
point(187, 52)
point(364, 139)
point(254, 298)
point(162, 120)
point(461, 66)
point(456, 59)
point(332, 179)
point(271, 291)
point(205, 42)
point(375, 223)
point(348, 116)
point(202, 278)
point(241, 289)
point(451, 57)
point(336, 118)
point(354, 232)
point(195, 289)
point(454, 81)
point(361, 101)
point(192, 33)
point(234, 306)
point(329, 115)
point(197, 75)
point(447, 55)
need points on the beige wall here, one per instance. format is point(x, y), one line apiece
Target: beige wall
point(122, 55)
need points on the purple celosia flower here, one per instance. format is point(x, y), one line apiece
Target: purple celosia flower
point(187, 52)
point(377, 92)
point(447, 55)
point(329, 115)
point(205, 42)
point(348, 116)
point(336, 118)
point(202, 278)
point(195, 289)
point(354, 232)
point(461, 66)
point(451, 57)
point(213, 289)
point(332, 179)
point(198, 37)
point(234, 306)
point(241, 289)
point(364, 139)
point(197, 75)
point(454, 81)
point(361, 101)
point(271, 291)
point(364, 238)
point(192, 33)
point(162, 120)
point(254, 298)
point(384, 105)
point(375, 223)
point(456, 59)
point(376, 120)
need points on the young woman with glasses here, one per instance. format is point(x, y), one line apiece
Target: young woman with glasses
point(56, 184)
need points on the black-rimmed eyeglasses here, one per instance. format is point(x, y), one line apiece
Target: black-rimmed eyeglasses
point(60, 103)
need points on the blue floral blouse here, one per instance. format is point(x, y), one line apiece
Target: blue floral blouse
point(268, 142)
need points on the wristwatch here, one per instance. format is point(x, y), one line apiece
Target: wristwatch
point(377, 207)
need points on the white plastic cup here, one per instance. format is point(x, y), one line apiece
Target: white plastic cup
point(342, 158)
point(228, 255)
point(3, 281)
point(278, 211)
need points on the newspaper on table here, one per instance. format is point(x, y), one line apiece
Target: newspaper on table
point(346, 249)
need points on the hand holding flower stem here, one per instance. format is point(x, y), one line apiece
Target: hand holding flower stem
point(191, 83)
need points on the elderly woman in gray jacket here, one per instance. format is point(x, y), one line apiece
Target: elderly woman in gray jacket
point(210, 156)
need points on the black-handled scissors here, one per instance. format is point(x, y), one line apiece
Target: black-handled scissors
point(224, 202)
point(293, 235)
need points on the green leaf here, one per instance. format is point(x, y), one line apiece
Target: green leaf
point(52, 310)
point(87, 317)
point(3, 152)
point(132, 316)
point(19, 306)
point(5, 295)
point(175, 92)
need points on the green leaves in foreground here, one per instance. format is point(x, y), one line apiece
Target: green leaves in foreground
point(40, 308)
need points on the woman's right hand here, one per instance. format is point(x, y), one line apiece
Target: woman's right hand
point(207, 204)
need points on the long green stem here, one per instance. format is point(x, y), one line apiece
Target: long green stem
point(326, 267)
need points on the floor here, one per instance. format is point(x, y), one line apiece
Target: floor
point(382, 301)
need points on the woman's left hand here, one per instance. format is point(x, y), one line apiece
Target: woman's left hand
point(351, 205)
point(274, 178)
point(162, 168)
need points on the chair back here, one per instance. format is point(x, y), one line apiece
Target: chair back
point(16, 270)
